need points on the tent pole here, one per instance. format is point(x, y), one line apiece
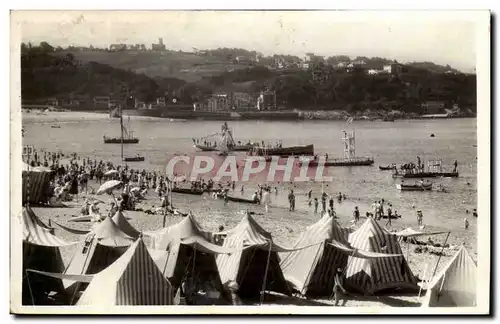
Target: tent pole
point(265, 274)
point(29, 287)
point(442, 249)
point(407, 250)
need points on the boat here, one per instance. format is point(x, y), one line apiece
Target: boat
point(188, 191)
point(357, 161)
point(127, 136)
point(226, 142)
point(388, 167)
point(307, 150)
point(349, 158)
point(414, 187)
point(239, 199)
point(55, 126)
point(434, 170)
point(134, 159)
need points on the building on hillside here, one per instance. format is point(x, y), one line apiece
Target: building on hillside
point(53, 102)
point(392, 68)
point(219, 102)
point(244, 60)
point(266, 100)
point(117, 47)
point(241, 101)
point(433, 106)
point(101, 102)
point(160, 47)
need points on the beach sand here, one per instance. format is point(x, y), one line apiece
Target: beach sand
point(285, 226)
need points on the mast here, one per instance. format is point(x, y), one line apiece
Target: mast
point(121, 137)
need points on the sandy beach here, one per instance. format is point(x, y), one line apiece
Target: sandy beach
point(285, 226)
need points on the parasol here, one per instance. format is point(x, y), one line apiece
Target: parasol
point(108, 186)
point(111, 172)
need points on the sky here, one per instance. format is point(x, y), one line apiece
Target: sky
point(442, 38)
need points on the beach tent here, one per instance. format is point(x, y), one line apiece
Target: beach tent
point(369, 276)
point(133, 279)
point(102, 246)
point(256, 264)
point(312, 270)
point(455, 285)
point(41, 251)
point(118, 218)
point(188, 254)
point(123, 224)
point(186, 228)
point(35, 183)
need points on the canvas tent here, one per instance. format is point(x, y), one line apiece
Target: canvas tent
point(369, 276)
point(35, 183)
point(133, 279)
point(123, 224)
point(456, 285)
point(187, 254)
point(255, 261)
point(103, 245)
point(41, 251)
point(311, 271)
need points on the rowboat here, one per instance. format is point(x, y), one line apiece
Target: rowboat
point(134, 159)
point(239, 199)
point(388, 167)
point(188, 191)
point(356, 161)
point(205, 148)
point(414, 187)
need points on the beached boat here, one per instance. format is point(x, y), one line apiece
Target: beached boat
point(285, 151)
point(388, 167)
point(239, 199)
point(134, 159)
point(188, 191)
point(414, 187)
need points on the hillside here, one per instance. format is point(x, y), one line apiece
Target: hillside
point(45, 75)
point(189, 67)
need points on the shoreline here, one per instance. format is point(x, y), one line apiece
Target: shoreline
point(74, 116)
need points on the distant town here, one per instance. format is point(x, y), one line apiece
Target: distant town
point(320, 72)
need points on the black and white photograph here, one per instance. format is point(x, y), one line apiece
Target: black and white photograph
point(250, 162)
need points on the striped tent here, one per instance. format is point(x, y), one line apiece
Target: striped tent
point(188, 254)
point(102, 246)
point(41, 251)
point(456, 285)
point(35, 183)
point(186, 228)
point(312, 270)
point(133, 279)
point(369, 276)
point(247, 266)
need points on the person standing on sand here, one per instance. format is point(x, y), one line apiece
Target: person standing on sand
point(291, 200)
point(389, 216)
point(466, 223)
point(316, 203)
point(420, 217)
point(266, 199)
point(323, 202)
point(356, 214)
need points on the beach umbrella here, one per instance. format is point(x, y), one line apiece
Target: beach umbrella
point(111, 172)
point(108, 186)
